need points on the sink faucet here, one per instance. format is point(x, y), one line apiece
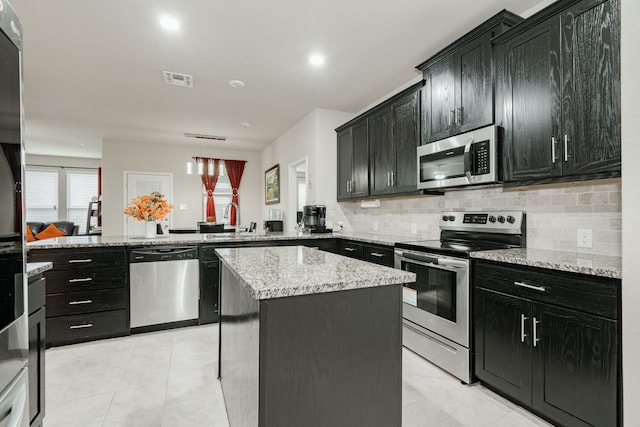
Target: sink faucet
point(226, 214)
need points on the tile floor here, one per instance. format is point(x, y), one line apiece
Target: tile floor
point(166, 379)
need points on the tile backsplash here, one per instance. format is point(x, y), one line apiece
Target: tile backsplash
point(554, 213)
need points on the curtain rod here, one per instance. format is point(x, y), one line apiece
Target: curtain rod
point(62, 167)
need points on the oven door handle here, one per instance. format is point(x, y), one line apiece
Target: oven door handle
point(432, 261)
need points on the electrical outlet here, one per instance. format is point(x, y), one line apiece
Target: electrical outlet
point(375, 226)
point(414, 228)
point(585, 238)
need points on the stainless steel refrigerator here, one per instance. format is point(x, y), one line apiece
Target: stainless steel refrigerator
point(14, 340)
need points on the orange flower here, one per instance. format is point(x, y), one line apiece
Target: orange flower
point(150, 207)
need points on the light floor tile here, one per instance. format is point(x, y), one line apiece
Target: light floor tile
point(168, 379)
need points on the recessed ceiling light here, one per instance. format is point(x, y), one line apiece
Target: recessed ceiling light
point(245, 124)
point(236, 84)
point(169, 22)
point(316, 59)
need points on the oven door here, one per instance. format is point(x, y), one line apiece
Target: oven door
point(439, 298)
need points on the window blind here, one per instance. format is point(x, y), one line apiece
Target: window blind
point(81, 187)
point(41, 195)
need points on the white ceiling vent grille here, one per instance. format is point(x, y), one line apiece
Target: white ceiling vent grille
point(178, 79)
point(208, 137)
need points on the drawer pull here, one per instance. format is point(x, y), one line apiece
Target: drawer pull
point(535, 332)
point(86, 301)
point(350, 249)
point(78, 261)
point(86, 279)
point(86, 325)
point(526, 285)
point(376, 254)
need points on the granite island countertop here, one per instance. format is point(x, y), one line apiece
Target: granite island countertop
point(35, 268)
point(88, 241)
point(284, 271)
point(575, 262)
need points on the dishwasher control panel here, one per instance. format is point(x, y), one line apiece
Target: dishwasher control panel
point(163, 253)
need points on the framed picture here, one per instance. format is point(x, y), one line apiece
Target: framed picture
point(272, 185)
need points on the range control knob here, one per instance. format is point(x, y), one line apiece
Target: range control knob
point(492, 218)
point(452, 218)
point(445, 218)
point(511, 219)
point(501, 219)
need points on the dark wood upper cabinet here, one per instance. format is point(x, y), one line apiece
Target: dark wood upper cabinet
point(459, 82)
point(558, 93)
point(353, 160)
point(377, 150)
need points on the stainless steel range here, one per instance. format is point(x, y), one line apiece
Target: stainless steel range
point(437, 307)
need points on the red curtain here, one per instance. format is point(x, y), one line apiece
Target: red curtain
point(234, 168)
point(210, 182)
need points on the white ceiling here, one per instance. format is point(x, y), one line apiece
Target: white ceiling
point(93, 69)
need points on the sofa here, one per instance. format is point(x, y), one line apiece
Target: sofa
point(68, 228)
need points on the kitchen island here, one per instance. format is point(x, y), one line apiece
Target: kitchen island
point(309, 338)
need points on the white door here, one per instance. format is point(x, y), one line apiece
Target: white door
point(141, 183)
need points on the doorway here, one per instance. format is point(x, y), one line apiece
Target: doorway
point(141, 183)
point(298, 191)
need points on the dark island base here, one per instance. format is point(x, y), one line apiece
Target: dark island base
point(330, 359)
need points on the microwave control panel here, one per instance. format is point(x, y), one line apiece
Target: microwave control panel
point(482, 162)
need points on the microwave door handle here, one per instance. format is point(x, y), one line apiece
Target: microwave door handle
point(468, 161)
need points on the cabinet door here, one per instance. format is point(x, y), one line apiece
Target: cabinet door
point(209, 286)
point(406, 138)
point(439, 106)
point(530, 105)
point(575, 367)
point(360, 174)
point(503, 343)
point(37, 336)
point(474, 87)
point(345, 163)
point(382, 150)
point(591, 87)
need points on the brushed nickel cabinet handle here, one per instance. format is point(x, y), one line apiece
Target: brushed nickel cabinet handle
point(522, 333)
point(535, 332)
point(553, 149)
point(376, 254)
point(566, 148)
point(349, 249)
point(86, 279)
point(393, 178)
point(86, 325)
point(526, 285)
point(76, 261)
point(86, 301)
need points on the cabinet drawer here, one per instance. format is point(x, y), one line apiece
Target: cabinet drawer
point(80, 258)
point(85, 279)
point(351, 249)
point(382, 255)
point(86, 302)
point(84, 327)
point(594, 295)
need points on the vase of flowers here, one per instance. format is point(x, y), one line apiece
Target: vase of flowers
point(149, 208)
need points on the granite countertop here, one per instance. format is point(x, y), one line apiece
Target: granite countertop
point(198, 238)
point(576, 262)
point(35, 268)
point(276, 272)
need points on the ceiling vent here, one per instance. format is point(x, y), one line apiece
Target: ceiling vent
point(178, 79)
point(208, 137)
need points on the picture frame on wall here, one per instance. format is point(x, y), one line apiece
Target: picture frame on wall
point(272, 185)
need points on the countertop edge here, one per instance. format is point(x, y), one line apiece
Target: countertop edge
point(35, 268)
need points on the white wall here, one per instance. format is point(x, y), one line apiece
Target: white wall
point(630, 210)
point(312, 137)
point(120, 156)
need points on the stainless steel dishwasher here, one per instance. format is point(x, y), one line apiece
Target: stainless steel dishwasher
point(164, 285)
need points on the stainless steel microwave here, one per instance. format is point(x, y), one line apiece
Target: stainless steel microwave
point(467, 159)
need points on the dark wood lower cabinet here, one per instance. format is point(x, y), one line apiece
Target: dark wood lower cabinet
point(37, 333)
point(561, 362)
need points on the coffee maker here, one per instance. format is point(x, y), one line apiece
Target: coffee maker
point(314, 218)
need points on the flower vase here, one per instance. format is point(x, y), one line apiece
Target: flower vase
point(150, 230)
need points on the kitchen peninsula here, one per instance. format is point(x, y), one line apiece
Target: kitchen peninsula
point(309, 338)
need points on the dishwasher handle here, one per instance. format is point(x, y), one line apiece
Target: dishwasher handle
point(163, 253)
